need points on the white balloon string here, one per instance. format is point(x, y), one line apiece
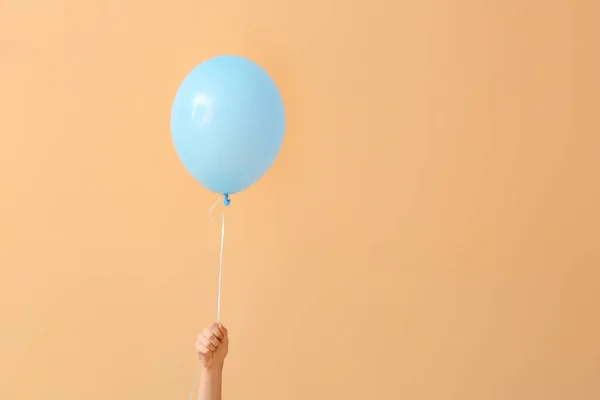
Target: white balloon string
point(220, 267)
point(221, 219)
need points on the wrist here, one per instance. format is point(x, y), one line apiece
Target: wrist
point(213, 370)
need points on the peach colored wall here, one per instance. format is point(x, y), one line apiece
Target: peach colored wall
point(430, 230)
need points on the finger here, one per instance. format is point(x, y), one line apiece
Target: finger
point(223, 330)
point(211, 337)
point(201, 342)
point(214, 340)
point(216, 331)
point(203, 350)
point(207, 343)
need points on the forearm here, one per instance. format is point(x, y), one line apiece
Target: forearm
point(212, 346)
point(210, 383)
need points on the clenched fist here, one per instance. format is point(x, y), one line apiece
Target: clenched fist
point(212, 346)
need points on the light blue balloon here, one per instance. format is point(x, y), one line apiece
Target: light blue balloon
point(228, 123)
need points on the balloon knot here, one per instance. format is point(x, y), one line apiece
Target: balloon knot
point(226, 200)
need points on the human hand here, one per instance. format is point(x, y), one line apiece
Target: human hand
point(212, 346)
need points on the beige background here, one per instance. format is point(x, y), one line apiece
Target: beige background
point(431, 229)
